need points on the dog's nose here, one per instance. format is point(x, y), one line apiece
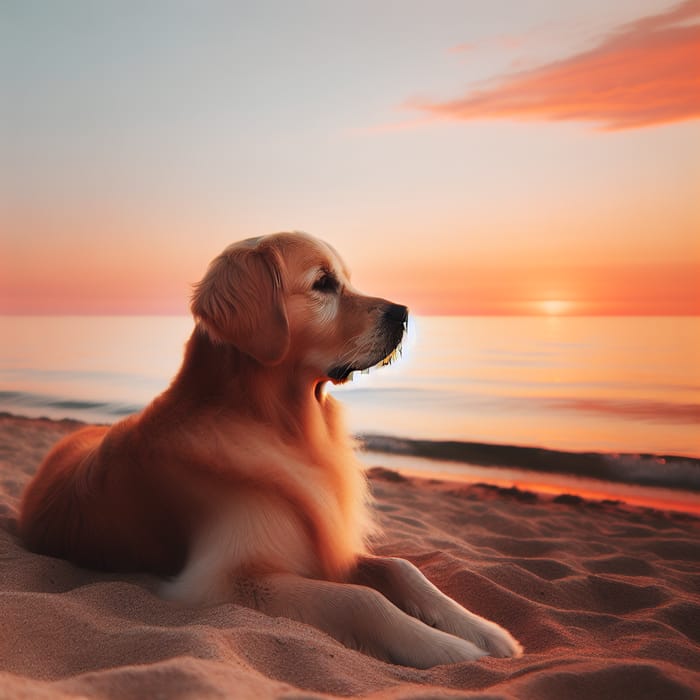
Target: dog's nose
point(396, 312)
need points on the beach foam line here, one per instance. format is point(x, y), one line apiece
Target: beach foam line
point(663, 471)
point(525, 485)
point(58, 407)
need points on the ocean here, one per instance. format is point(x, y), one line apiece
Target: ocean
point(610, 403)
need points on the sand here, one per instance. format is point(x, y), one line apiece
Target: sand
point(604, 597)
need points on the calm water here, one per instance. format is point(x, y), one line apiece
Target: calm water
point(585, 384)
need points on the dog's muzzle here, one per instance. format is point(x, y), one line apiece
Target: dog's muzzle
point(392, 325)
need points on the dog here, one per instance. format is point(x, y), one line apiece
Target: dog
point(239, 483)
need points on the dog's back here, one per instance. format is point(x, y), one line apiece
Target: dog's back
point(52, 520)
point(92, 503)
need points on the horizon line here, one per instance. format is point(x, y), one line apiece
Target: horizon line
point(445, 314)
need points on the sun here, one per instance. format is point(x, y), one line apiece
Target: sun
point(555, 307)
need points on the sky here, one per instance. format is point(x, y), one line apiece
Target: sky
point(464, 157)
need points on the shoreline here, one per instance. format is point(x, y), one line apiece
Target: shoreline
point(650, 497)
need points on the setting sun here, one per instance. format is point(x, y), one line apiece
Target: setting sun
point(555, 307)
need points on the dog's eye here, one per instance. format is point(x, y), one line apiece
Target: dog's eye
point(326, 283)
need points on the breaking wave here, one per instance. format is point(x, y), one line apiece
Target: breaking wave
point(669, 471)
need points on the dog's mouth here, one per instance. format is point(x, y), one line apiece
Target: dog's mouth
point(391, 350)
point(342, 373)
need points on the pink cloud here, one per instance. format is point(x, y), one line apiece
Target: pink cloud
point(646, 73)
point(461, 48)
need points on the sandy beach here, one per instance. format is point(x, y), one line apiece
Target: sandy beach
point(604, 597)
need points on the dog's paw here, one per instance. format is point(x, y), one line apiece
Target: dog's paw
point(487, 635)
point(496, 641)
point(436, 649)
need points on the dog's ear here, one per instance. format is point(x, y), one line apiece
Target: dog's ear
point(240, 301)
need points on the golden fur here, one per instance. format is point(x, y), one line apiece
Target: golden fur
point(239, 482)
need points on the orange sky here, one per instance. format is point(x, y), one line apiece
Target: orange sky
point(463, 160)
point(613, 289)
point(645, 73)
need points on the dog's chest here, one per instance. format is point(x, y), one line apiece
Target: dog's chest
point(289, 507)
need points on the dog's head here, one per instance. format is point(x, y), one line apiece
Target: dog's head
point(287, 298)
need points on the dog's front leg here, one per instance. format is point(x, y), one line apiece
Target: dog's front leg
point(405, 586)
point(357, 616)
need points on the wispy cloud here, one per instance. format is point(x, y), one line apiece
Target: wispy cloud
point(645, 73)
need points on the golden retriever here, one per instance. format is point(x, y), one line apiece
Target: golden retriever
point(239, 483)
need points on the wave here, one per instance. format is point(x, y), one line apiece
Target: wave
point(59, 407)
point(666, 471)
